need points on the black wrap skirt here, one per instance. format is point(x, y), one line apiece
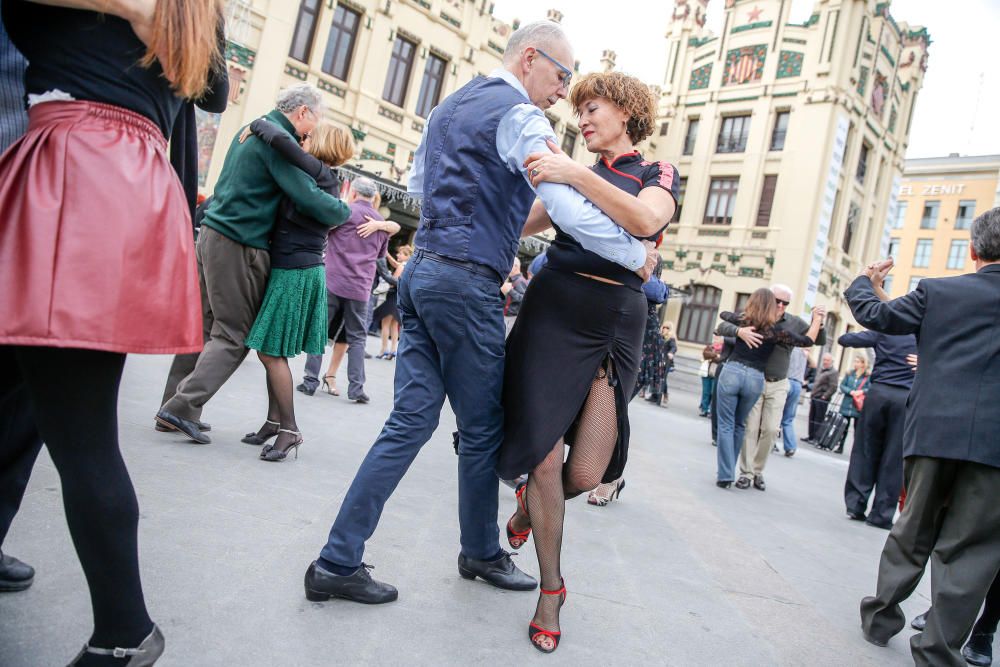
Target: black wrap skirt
point(568, 329)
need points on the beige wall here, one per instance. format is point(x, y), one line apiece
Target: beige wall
point(948, 181)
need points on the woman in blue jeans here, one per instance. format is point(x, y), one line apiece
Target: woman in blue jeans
point(742, 379)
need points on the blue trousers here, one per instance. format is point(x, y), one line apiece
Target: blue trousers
point(738, 389)
point(451, 345)
point(788, 415)
point(707, 387)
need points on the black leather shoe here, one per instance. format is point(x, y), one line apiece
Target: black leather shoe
point(758, 483)
point(305, 390)
point(920, 622)
point(979, 650)
point(357, 587)
point(185, 426)
point(14, 575)
point(883, 526)
point(723, 484)
point(501, 572)
point(874, 640)
point(743, 482)
point(361, 398)
point(204, 427)
point(856, 516)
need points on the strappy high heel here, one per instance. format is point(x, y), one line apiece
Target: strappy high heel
point(328, 388)
point(275, 455)
point(605, 493)
point(517, 539)
point(535, 630)
point(256, 438)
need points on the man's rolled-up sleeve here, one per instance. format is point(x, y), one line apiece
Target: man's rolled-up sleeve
point(522, 131)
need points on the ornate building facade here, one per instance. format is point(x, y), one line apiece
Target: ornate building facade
point(382, 66)
point(789, 139)
point(938, 200)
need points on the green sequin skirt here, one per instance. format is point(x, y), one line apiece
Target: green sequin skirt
point(293, 317)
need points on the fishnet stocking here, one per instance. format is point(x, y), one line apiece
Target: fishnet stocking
point(552, 482)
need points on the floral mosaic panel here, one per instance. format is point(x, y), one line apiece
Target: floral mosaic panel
point(700, 77)
point(789, 64)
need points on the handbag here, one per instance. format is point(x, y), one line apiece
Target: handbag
point(858, 396)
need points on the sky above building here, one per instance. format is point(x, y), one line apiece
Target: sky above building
point(957, 104)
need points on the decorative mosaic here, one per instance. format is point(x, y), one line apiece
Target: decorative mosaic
point(751, 26)
point(700, 77)
point(880, 90)
point(744, 65)
point(862, 80)
point(748, 272)
point(299, 74)
point(452, 20)
point(390, 149)
point(331, 88)
point(893, 116)
point(389, 113)
point(888, 56)
point(695, 42)
point(240, 54)
point(789, 64)
point(372, 155)
point(417, 127)
point(358, 135)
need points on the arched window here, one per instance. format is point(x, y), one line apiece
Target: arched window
point(699, 315)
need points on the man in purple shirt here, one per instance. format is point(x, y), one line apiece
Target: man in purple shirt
point(351, 251)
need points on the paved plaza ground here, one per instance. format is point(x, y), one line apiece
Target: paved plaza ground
point(676, 573)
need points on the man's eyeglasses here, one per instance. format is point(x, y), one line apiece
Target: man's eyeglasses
point(565, 70)
point(781, 302)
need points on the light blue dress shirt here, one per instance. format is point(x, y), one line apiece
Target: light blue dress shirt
point(522, 131)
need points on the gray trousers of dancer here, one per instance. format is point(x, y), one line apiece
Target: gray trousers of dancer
point(354, 314)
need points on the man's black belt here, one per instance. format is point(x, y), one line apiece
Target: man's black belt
point(474, 267)
point(773, 379)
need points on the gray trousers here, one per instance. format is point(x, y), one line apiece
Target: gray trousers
point(354, 314)
point(233, 279)
point(952, 517)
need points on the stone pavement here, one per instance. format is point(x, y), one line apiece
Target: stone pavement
point(676, 573)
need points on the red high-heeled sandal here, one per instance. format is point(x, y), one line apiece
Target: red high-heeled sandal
point(535, 630)
point(517, 539)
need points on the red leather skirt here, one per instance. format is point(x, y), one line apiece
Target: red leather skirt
point(96, 249)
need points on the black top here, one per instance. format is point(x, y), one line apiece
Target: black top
point(890, 355)
point(91, 56)
point(632, 174)
point(297, 241)
point(757, 357)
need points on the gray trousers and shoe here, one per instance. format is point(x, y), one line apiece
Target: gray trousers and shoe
point(354, 314)
point(233, 279)
point(951, 517)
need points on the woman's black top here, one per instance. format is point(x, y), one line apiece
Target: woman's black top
point(757, 357)
point(91, 56)
point(297, 241)
point(628, 172)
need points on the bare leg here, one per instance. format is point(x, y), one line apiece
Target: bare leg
point(386, 328)
point(339, 350)
point(394, 335)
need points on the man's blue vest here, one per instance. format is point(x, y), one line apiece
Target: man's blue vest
point(474, 207)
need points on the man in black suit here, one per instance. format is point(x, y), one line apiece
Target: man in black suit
point(950, 446)
point(877, 454)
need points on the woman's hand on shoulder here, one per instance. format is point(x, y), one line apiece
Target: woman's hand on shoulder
point(554, 167)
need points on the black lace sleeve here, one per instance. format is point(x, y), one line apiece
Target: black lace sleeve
point(784, 337)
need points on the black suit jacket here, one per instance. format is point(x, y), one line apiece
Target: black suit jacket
point(953, 411)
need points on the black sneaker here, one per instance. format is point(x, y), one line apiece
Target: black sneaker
point(358, 587)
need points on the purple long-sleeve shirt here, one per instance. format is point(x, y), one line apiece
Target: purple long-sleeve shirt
point(350, 259)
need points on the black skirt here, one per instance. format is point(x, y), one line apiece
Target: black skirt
point(388, 308)
point(569, 327)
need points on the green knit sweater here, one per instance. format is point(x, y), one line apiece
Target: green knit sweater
point(254, 178)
